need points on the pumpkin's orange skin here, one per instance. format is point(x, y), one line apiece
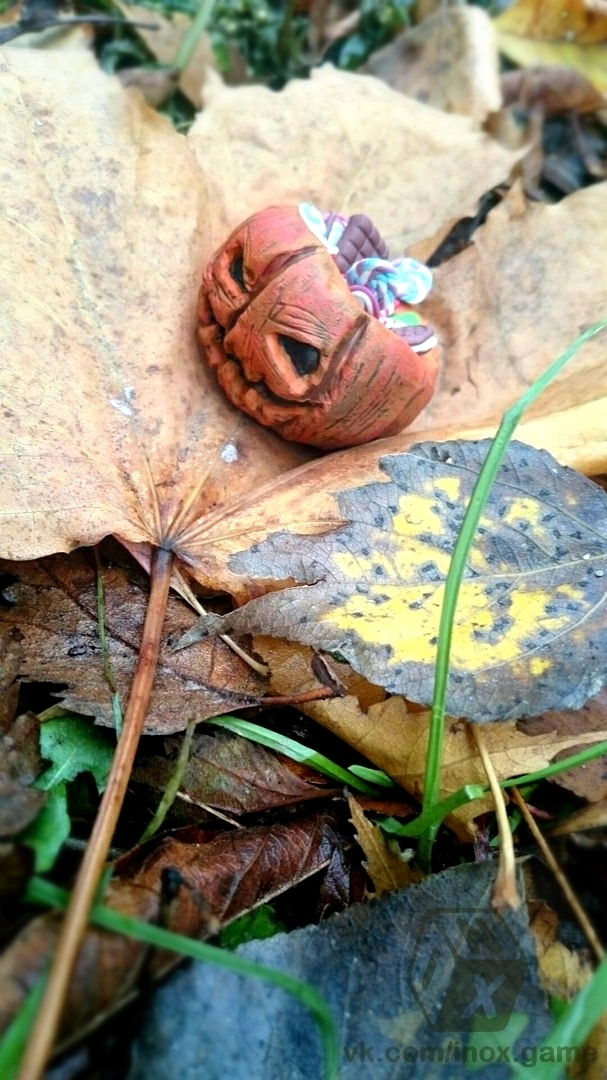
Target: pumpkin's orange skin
point(368, 383)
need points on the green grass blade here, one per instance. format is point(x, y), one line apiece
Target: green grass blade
point(294, 750)
point(558, 767)
point(434, 816)
point(374, 776)
point(170, 792)
point(572, 1028)
point(40, 891)
point(459, 558)
point(15, 1038)
point(469, 792)
point(190, 41)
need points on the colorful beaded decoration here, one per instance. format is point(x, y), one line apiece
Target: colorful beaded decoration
point(384, 287)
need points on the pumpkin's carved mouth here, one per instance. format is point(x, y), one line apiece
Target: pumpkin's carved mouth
point(263, 390)
point(305, 358)
point(259, 387)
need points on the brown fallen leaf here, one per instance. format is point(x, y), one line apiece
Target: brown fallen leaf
point(234, 775)
point(498, 308)
point(156, 85)
point(54, 607)
point(563, 972)
point(552, 89)
point(292, 669)
point(10, 659)
point(168, 447)
point(19, 753)
point(393, 734)
point(387, 868)
point(106, 386)
point(16, 868)
point(533, 97)
point(343, 884)
point(448, 61)
point(588, 781)
point(19, 767)
point(19, 803)
point(153, 474)
point(256, 147)
point(209, 880)
point(592, 816)
point(395, 739)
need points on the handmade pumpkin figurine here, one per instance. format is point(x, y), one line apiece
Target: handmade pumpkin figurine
point(308, 327)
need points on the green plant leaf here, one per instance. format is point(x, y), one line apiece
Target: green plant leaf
point(74, 746)
point(254, 925)
point(49, 830)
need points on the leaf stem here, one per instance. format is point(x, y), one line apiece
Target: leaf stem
point(478, 499)
point(91, 869)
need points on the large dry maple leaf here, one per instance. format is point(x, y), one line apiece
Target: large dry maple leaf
point(112, 423)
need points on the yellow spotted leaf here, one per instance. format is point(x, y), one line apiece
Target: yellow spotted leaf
point(530, 625)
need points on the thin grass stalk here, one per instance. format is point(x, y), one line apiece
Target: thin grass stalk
point(478, 499)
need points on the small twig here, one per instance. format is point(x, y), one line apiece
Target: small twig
point(210, 810)
point(320, 693)
point(49, 1016)
point(574, 903)
point(171, 791)
point(505, 892)
point(181, 586)
point(46, 21)
point(255, 665)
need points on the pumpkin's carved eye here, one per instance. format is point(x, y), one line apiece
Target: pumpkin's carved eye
point(305, 358)
point(237, 271)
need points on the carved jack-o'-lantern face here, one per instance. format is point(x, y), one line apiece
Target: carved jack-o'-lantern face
point(292, 347)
